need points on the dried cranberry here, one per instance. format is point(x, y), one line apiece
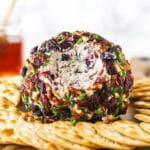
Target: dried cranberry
point(108, 56)
point(120, 80)
point(65, 33)
point(52, 45)
point(66, 44)
point(65, 57)
point(45, 101)
point(33, 50)
point(86, 34)
point(97, 117)
point(22, 87)
point(114, 48)
point(104, 93)
point(93, 101)
point(37, 62)
point(23, 71)
point(128, 82)
point(49, 45)
point(36, 110)
point(64, 112)
point(82, 103)
point(52, 76)
point(110, 67)
point(112, 105)
point(39, 83)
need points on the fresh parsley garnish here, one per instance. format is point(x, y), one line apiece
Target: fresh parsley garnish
point(40, 105)
point(79, 41)
point(95, 36)
point(114, 90)
point(25, 99)
point(67, 96)
point(124, 74)
point(73, 121)
point(96, 111)
point(35, 89)
point(45, 63)
point(120, 103)
point(55, 112)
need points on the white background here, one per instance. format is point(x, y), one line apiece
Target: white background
point(124, 22)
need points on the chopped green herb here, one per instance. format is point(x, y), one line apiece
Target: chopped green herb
point(79, 41)
point(67, 33)
point(61, 106)
point(96, 111)
point(25, 99)
point(95, 36)
point(40, 105)
point(107, 46)
point(124, 74)
point(82, 97)
point(60, 38)
point(73, 121)
point(51, 53)
point(25, 67)
point(82, 90)
point(84, 117)
point(45, 63)
point(55, 112)
point(28, 107)
point(114, 90)
point(22, 79)
point(67, 96)
point(35, 89)
point(29, 74)
point(116, 118)
point(120, 58)
point(120, 103)
point(35, 70)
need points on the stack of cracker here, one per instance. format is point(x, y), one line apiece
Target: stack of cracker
point(19, 131)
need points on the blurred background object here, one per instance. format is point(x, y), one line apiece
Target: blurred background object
point(126, 23)
point(10, 42)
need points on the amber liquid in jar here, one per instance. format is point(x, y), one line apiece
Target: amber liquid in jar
point(10, 55)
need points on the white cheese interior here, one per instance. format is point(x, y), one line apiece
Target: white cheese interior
point(75, 72)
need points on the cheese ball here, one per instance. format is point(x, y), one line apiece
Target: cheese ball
point(77, 76)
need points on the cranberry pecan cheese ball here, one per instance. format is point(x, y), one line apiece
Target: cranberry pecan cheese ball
point(76, 76)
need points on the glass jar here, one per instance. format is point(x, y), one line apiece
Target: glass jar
point(10, 48)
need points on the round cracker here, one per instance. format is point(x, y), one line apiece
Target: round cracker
point(131, 130)
point(11, 92)
point(8, 121)
point(145, 126)
point(87, 131)
point(145, 98)
point(141, 89)
point(143, 111)
point(43, 129)
point(64, 130)
point(26, 132)
point(107, 131)
point(142, 117)
point(141, 82)
point(139, 94)
point(17, 147)
point(142, 104)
